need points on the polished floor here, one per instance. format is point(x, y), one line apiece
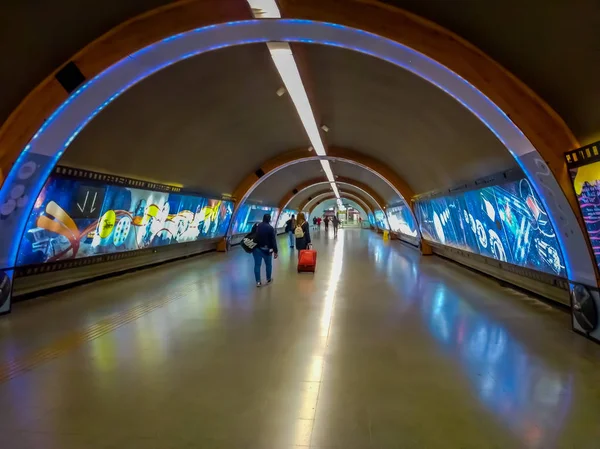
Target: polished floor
point(381, 348)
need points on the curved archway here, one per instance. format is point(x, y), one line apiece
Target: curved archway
point(369, 192)
point(353, 195)
point(290, 158)
point(322, 196)
point(33, 163)
point(287, 159)
point(320, 208)
point(288, 198)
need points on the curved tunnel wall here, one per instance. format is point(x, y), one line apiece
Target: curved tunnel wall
point(24, 171)
point(79, 106)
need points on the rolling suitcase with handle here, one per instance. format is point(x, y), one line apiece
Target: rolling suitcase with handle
point(307, 261)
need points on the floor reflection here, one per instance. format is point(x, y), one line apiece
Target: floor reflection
point(528, 396)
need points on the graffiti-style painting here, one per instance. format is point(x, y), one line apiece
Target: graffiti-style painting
point(78, 218)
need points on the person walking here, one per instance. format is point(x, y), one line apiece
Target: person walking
point(290, 225)
point(335, 221)
point(266, 249)
point(302, 233)
point(326, 220)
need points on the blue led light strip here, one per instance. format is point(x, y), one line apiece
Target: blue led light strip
point(63, 126)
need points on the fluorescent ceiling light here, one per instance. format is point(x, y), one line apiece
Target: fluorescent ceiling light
point(327, 170)
point(288, 70)
point(284, 61)
point(336, 191)
point(264, 9)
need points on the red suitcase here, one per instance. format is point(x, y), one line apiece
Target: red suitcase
point(307, 261)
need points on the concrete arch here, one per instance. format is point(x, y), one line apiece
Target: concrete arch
point(327, 195)
point(369, 192)
point(321, 206)
point(288, 198)
point(523, 122)
point(290, 158)
point(287, 159)
point(308, 203)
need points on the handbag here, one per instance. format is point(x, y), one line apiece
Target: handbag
point(249, 242)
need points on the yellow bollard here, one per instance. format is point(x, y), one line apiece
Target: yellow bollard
point(386, 235)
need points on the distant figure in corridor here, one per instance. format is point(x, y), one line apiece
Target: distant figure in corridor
point(335, 221)
point(266, 249)
point(290, 225)
point(302, 233)
point(326, 221)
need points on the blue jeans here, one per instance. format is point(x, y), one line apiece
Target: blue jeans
point(291, 238)
point(259, 256)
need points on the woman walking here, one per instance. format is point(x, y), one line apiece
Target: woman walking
point(302, 233)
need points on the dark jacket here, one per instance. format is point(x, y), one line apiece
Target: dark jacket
point(265, 237)
point(289, 225)
point(303, 242)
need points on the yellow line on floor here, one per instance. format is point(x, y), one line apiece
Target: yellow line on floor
point(13, 368)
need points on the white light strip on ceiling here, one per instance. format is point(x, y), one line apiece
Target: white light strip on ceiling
point(282, 56)
point(327, 170)
point(264, 9)
point(288, 70)
point(335, 190)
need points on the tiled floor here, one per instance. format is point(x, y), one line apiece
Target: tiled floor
point(379, 349)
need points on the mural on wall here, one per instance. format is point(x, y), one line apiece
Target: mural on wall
point(249, 214)
point(380, 220)
point(586, 181)
point(372, 219)
point(75, 218)
point(506, 222)
point(285, 215)
point(401, 220)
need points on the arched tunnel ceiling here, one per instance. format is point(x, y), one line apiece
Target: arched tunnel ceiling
point(328, 204)
point(422, 133)
point(346, 170)
point(314, 191)
point(303, 196)
point(204, 123)
point(207, 122)
point(273, 188)
point(551, 46)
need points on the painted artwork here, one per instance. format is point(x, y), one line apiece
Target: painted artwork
point(285, 215)
point(401, 220)
point(372, 219)
point(506, 222)
point(75, 218)
point(380, 220)
point(250, 214)
point(586, 182)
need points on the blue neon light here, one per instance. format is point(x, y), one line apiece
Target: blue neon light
point(46, 169)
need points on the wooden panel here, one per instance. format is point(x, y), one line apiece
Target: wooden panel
point(120, 42)
point(342, 180)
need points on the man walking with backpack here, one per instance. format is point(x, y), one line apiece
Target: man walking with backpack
point(290, 226)
point(266, 249)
